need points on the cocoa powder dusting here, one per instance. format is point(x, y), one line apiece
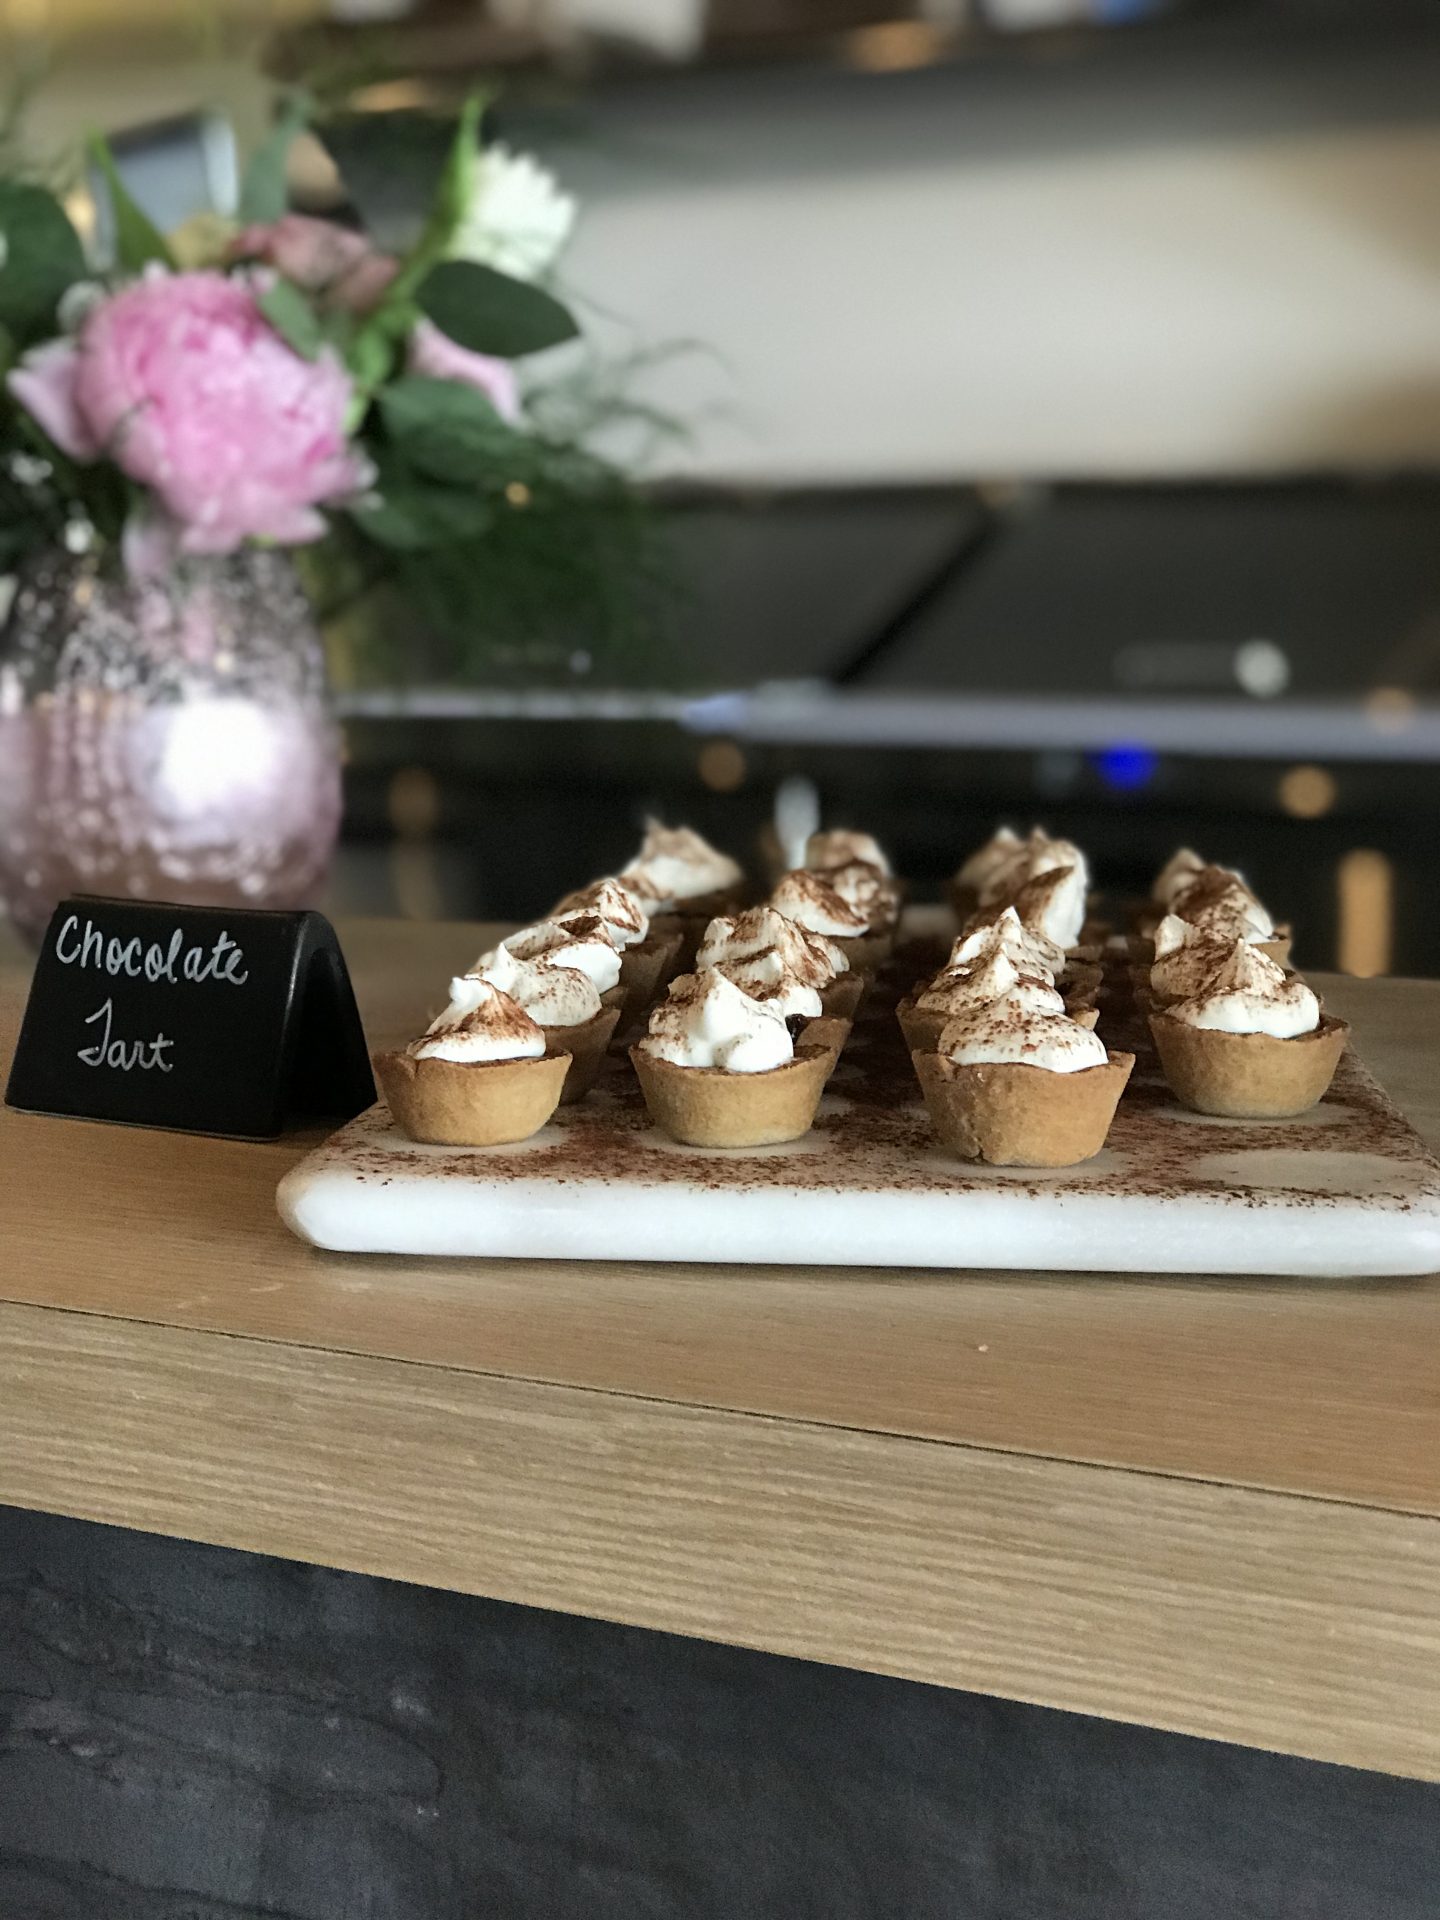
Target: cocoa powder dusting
point(872, 1132)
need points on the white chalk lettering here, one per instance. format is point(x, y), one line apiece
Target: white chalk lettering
point(123, 1055)
point(234, 960)
point(170, 961)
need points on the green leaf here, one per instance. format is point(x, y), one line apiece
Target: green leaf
point(488, 312)
point(40, 256)
point(264, 192)
point(449, 432)
point(456, 186)
point(452, 196)
point(293, 318)
point(370, 357)
point(417, 515)
point(138, 240)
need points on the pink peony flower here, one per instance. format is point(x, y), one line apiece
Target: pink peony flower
point(435, 355)
point(335, 263)
point(182, 382)
point(44, 384)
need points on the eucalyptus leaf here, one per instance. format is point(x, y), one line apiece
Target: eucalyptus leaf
point(416, 515)
point(138, 241)
point(40, 256)
point(264, 192)
point(449, 432)
point(293, 318)
point(456, 187)
point(488, 312)
point(370, 357)
point(453, 193)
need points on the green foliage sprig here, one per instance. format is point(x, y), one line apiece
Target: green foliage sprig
point(481, 536)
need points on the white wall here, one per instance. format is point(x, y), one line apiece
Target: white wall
point(1251, 299)
point(1176, 263)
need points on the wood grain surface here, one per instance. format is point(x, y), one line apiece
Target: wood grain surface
point(1292, 1623)
point(751, 1455)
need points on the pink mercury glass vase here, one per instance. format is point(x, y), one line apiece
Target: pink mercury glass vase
point(171, 740)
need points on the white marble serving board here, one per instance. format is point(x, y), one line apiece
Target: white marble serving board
point(1347, 1189)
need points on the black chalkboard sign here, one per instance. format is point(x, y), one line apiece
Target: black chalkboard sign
point(202, 1019)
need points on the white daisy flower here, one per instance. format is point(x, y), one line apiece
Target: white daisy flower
point(517, 220)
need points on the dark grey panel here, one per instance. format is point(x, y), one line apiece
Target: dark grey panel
point(189, 1734)
point(788, 587)
point(1090, 589)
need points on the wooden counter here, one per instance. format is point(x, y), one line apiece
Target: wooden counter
point(1208, 1505)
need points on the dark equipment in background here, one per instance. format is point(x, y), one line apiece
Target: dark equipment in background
point(1251, 667)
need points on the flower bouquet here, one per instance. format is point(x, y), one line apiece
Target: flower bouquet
point(177, 430)
point(279, 380)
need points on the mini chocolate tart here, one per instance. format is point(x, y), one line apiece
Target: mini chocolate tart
point(866, 952)
point(689, 919)
point(1011, 1115)
point(1079, 983)
point(584, 1044)
point(470, 1103)
point(646, 968)
point(1277, 948)
point(827, 1032)
point(964, 901)
point(1247, 1076)
point(844, 996)
point(922, 1026)
point(708, 1107)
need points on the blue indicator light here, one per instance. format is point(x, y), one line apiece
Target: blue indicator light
point(1127, 767)
point(1118, 13)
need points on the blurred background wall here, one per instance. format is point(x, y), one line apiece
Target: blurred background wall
point(1175, 256)
point(1062, 419)
point(1137, 267)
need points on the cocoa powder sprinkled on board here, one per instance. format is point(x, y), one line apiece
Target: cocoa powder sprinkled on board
point(872, 1134)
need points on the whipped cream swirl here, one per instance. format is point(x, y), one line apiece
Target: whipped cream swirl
point(985, 862)
point(708, 1021)
point(1248, 993)
point(1031, 952)
point(807, 957)
point(1038, 853)
point(997, 978)
point(1052, 905)
point(1185, 958)
point(620, 911)
point(810, 899)
point(1005, 1032)
point(554, 996)
point(676, 864)
point(1180, 871)
point(1218, 902)
point(773, 959)
point(868, 891)
point(578, 941)
point(991, 976)
point(841, 848)
point(481, 1023)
